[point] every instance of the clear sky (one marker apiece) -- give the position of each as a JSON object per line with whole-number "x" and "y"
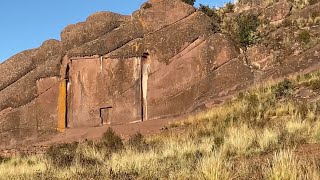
{"x": 25, "y": 24}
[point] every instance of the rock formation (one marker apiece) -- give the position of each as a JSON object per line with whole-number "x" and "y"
{"x": 164, "y": 60}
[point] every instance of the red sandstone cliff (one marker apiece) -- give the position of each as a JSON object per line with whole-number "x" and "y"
{"x": 162, "y": 61}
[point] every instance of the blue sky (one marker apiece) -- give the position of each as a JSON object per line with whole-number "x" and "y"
{"x": 25, "y": 24}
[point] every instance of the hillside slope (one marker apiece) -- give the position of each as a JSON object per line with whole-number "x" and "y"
{"x": 165, "y": 60}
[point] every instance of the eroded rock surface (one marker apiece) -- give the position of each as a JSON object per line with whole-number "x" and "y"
{"x": 164, "y": 60}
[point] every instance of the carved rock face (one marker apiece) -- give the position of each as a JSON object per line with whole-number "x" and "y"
{"x": 162, "y": 61}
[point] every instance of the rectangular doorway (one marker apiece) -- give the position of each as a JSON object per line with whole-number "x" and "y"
{"x": 105, "y": 115}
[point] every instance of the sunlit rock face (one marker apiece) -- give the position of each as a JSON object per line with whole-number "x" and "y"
{"x": 163, "y": 61}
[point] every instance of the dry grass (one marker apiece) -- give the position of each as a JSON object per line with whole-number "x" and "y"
{"x": 268, "y": 140}
{"x": 214, "y": 167}
{"x": 299, "y": 4}
{"x": 285, "y": 165}
{"x": 22, "y": 166}
{"x": 316, "y": 132}
{"x": 239, "y": 140}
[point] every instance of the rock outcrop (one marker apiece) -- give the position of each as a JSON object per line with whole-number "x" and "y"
{"x": 164, "y": 60}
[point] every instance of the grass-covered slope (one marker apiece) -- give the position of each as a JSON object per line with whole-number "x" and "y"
{"x": 258, "y": 135}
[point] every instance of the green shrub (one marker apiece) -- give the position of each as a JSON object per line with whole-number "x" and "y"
{"x": 218, "y": 142}
{"x": 304, "y": 77}
{"x": 62, "y": 155}
{"x": 3, "y": 159}
{"x": 146, "y": 5}
{"x": 229, "y": 7}
{"x": 283, "y": 89}
{"x": 240, "y": 95}
{"x": 89, "y": 155}
{"x": 246, "y": 28}
{"x": 243, "y": 28}
{"x": 156, "y": 145}
{"x": 88, "y": 161}
{"x": 304, "y": 36}
{"x": 307, "y": 76}
{"x": 111, "y": 141}
{"x": 212, "y": 13}
{"x": 193, "y": 158}
{"x": 299, "y": 4}
{"x": 287, "y": 23}
{"x": 303, "y": 109}
{"x": 191, "y": 2}
{"x": 312, "y": 2}
{"x": 138, "y": 142}
{"x": 315, "y": 85}
{"x": 251, "y": 106}
{"x": 252, "y": 99}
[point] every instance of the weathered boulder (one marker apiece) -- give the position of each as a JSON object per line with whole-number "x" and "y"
{"x": 16, "y": 67}
{"x": 144, "y": 23}
{"x": 19, "y": 65}
{"x": 219, "y": 50}
{"x": 19, "y": 84}
{"x": 312, "y": 11}
{"x": 50, "y": 48}
{"x": 110, "y": 41}
{"x": 252, "y": 2}
{"x": 259, "y": 56}
{"x": 277, "y": 11}
{"x": 24, "y": 90}
{"x": 163, "y": 13}
{"x": 296, "y": 64}
{"x": 168, "y": 41}
{"x": 195, "y": 76}
{"x": 95, "y": 26}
